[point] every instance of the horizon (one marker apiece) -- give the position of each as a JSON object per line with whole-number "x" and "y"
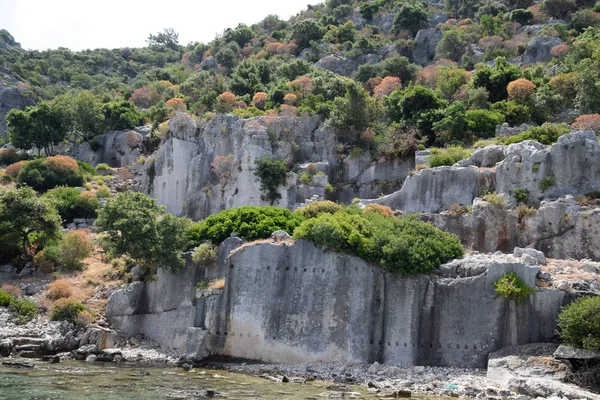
{"x": 28, "y": 21}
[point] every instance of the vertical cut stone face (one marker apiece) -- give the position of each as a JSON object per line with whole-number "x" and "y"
{"x": 296, "y": 303}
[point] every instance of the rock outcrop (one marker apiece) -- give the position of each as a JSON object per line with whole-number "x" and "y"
{"x": 117, "y": 149}
{"x": 296, "y": 303}
{"x": 426, "y": 43}
{"x": 539, "y": 49}
{"x": 10, "y": 97}
{"x": 345, "y": 66}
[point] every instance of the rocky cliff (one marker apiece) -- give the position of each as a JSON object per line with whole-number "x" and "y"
{"x": 293, "y": 302}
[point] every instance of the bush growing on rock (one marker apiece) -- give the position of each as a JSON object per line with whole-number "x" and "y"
{"x": 585, "y": 122}
{"x": 205, "y": 254}
{"x": 24, "y": 310}
{"x": 249, "y": 223}
{"x": 448, "y": 156}
{"x": 401, "y": 245}
{"x": 5, "y": 298}
{"x": 71, "y": 203}
{"x": 547, "y": 134}
{"x": 317, "y": 208}
{"x": 579, "y": 323}
{"x": 513, "y": 287}
{"x": 12, "y": 290}
{"x": 272, "y": 173}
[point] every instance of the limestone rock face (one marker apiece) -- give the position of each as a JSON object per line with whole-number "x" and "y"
{"x": 426, "y": 42}
{"x": 486, "y": 157}
{"x": 569, "y": 167}
{"x": 436, "y": 189}
{"x": 117, "y": 149}
{"x": 295, "y": 303}
{"x": 344, "y": 66}
{"x": 538, "y": 49}
{"x": 10, "y": 97}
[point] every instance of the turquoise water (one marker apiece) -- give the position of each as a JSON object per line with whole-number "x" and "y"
{"x": 80, "y": 380}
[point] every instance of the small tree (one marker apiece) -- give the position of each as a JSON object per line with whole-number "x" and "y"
{"x": 412, "y": 16}
{"x": 387, "y": 86}
{"x": 354, "y": 113}
{"x": 168, "y": 37}
{"x": 272, "y": 173}
{"x": 520, "y": 90}
{"x": 25, "y": 220}
{"x": 137, "y": 227}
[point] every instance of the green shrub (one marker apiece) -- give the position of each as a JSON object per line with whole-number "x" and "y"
{"x": 71, "y": 203}
{"x": 102, "y": 167}
{"x": 24, "y": 310}
{"x": 317, "y": 208}
{"x": 513, "y": 287}
{"x": 272, "y": 173}
{"x": 448, "y": 156}
{"x": 250, "y": 223}
{"x": 103, "y": 192}
{"x": 495, "y": 199}
{"x": 5, "y": 298}
{"x": 547, "y": 183}
{"x": 205, "y": 254}
{"x": 579, "y": 323}
{"x": 546, "y": 134}
{"x": 402, "y": 245}
{"x": 86, "y": 168}
{"x": 66, "y": 310}
{"x": 46, "y": 173}
{"x": 482, "y": 123}
{"x": 521, "y": 195}
{"x": 305, "y": 178}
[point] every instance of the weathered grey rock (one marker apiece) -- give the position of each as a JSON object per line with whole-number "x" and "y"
{"x": 280, "y": 236}
{"x": 385, "y": 22}
{"x": 109, "y": 355}
{"x": 572, "y": 353}
{"x": 505, "y": 129}
{"x": 426, "y": 43}
{"x": 539, "y": 257}
{"x": 84, "y": 351}
{"x": 209, "y": 63}
{"x": 571, "y": 166}
{"x": 538, "y": 49}
{"x": 117, "y": 149}
{"x": 436, "y": 189}
{"x": 288, "y": 316}
{"x": 10, "y": 97}
{"x": 485, "y": 157}
{"x": 438, "y": 18}
{"x": 345, "y": 66}
{"x": 91, "y": 358}
{"x": 6, "y": 347}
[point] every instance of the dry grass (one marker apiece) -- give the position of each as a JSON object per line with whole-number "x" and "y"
{"x": 217, "y": 284}
{"x": 11, "y": 289}
{"x": 59, "y": 289}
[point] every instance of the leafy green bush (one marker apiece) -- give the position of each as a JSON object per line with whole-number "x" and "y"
{"x": 402, "y": 245}
{"x": 547, "y": 183}
{"x": 482, "y": 123}
{"x": 24, "y": 310}
{"x": 272, "y": 173}
{"x": 546, "y": 134}
{"x": 250, "y": 223}
{"x": 205, "y": 254}
{"x": 5, "y": 298}
{"x": 71, "y": 203}
{"x": 317, "y": 208}
{"x": 521, "y": 195}
{"x": 46, "y": 173}
{"x": 102, "y": 167}
{"x": 513, "y": 287}
{"x": 66, "y": 310}
{"x": 579, "y": 323}
{"x": 448, "y": 156}
{"x": 495, "y": 199}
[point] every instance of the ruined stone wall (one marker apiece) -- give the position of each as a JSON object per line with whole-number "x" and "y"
{"x": 297, "y": 303}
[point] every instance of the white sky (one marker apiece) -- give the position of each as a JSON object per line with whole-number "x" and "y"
{"x": 89, "y": 24}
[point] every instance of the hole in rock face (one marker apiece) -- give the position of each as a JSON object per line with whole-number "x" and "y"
{"x": 231, "y": 266}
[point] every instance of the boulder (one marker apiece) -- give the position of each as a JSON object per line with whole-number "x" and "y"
{"x": 426, "y": 43}
{"x": 345, "y": 66}
{"x": 438, "y": 18}
{"x": 571, "y": 353}
{"x": 6, "y": 347}
{"x": 539, "y": 49}
{"x": 280, "y": 236}
{"x": 209, "y": 63}
{"x": 486, "y": 157}
{"x": 84, "y": 351}
{"x": 537, "y": 255}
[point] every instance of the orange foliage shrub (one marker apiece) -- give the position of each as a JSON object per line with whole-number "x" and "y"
{"x": 489, "y": 43}
{"x": 144, "y": 97}
{"x": 11, "y": 289}
{"x": 62, "y": 164}
{"x": 379, "y": 209}
{"x": 428, "y": 76}
{"x": 465, "y": 22}
{"x": 520, "y": 89}
{"x": 176, "y": 104}
{"x": 301, "y": 85}
{"x": 59, "y": 289}
{"x": 225, "y": 102}
{"x": 290, "y": 99}
{"x": 14, "y": 169}
{"x": 241, "y": 104}
{"x": 287, "y": 110}
{"x": 560, "y": 50}
{"x": 387, "y": 86}
{"x": 587, "y": 122}
{"x": 452, "y": 21}
{"x": 259, "y": 100}
{"x": 372, "y": 83}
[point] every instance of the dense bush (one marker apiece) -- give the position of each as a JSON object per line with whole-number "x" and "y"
{"x": 448, "y": 156}
{"x": 5, "y": 298}
{"x": 66, "y": 310}
{"x": 45, "y": 173}
{"x": 24, "y": 310}
{"x": 579, "y": 323}
{"x": 59, "y": 289}
{"x": 249, "y": 223}
{"x": 74, "y": 247}
{"x": 272, "y": 173}
{"x": 513, "y": 287}
{"x": 317, "y": 208}
{"x": 72, "y": 203}
{"x": 137, "y": 227}
{"x": 205, "y": 254}
{"x": 547, "y": 134}
{"x": 402, "y": 245}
